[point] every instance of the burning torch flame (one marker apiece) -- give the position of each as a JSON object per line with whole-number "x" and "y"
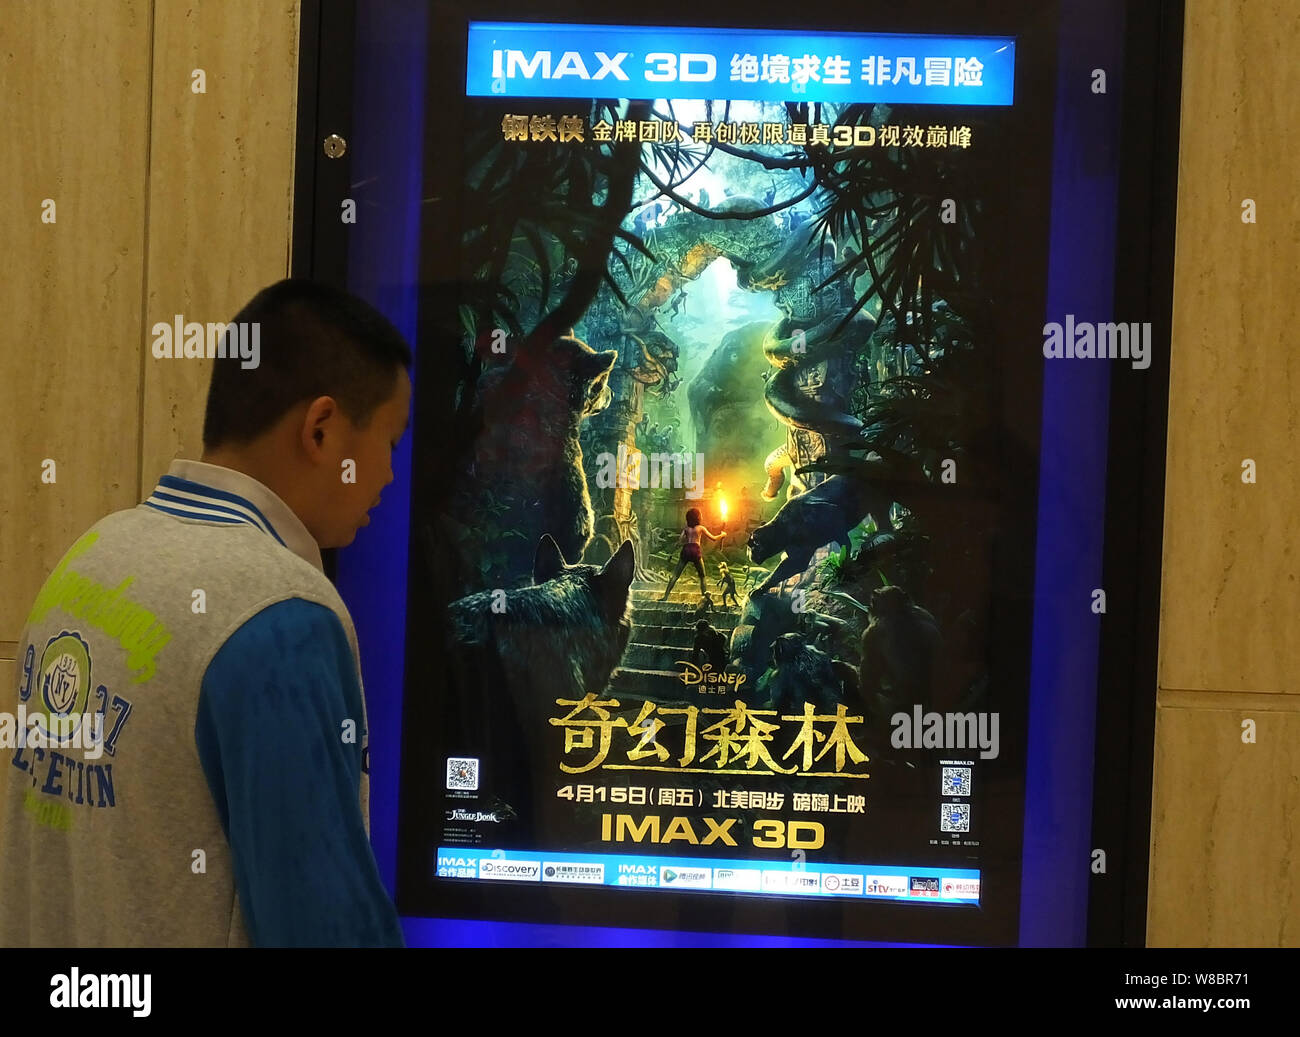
{"x": 722, "y": 506}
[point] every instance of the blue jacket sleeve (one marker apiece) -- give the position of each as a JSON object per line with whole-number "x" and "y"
{"x": 272, "y": 739}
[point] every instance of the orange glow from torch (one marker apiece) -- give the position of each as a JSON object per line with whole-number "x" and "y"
{"x": 722, "y": 508}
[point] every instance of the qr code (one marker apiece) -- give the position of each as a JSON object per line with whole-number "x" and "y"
{"x": 954, "y": 817}
{"x": 956, "y": 781}
{"x": 462, "y": 774}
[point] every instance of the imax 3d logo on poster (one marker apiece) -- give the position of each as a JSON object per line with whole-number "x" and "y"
{"x": 511, "y": 64}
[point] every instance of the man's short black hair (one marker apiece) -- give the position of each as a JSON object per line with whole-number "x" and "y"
{"x": 315, "y": 340}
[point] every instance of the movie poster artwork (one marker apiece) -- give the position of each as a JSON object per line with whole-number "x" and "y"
{"x": 715, "y": 475}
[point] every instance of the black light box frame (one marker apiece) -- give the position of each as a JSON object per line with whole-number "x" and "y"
{"x": 1126, "y": 695}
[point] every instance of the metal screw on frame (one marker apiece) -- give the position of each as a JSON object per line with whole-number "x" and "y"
{"x": 335, "y": 146}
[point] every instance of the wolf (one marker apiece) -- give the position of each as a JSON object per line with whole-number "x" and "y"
{"x": 514, "y": 655}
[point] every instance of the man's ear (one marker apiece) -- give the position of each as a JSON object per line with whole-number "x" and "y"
{"x": 317, "y": 420}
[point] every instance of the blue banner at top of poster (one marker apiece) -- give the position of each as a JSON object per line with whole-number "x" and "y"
{"x": 512, "y": 59}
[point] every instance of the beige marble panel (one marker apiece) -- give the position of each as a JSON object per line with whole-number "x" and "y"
{"x": 76, "y": 111}
{"x": 8, "y": 682}
{"x": 1225, "y": 823}
{"x": 220, "y": 188}
{"x": 1231, "y": 593}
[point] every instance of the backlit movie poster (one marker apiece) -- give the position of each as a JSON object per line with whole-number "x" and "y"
{"x": 716, "y": 474}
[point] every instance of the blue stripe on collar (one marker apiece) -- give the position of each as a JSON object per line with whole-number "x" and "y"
{"x": 190, "y": 514}
{"x": 238, "y": 508}
{"x": 204, "y": 507}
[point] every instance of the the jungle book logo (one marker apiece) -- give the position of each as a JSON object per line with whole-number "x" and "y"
{"x": 709, "y": 678}
{"x": 474, "y": 816}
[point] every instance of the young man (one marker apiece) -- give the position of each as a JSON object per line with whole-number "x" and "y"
{"x": 213, "y": 790}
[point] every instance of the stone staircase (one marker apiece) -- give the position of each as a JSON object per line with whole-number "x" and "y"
{"x": 663, "y": 633}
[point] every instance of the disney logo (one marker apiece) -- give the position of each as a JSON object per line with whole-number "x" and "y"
{"x": 692, "y": 674}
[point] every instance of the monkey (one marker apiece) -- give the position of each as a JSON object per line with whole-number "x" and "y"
{"x": 849, "y": 679}
{"x": 802, "y": 673}
{"x": 704, "y": 607}
{"x": 728, "y": 584}
{"x": 966, "y": 664}
{"x": 711, "y": 644}
{"x": 823, "y": 631}
{"x": 901, "y": 650}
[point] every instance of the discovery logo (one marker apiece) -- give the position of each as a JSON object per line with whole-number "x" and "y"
{"x": 511, "y": 871}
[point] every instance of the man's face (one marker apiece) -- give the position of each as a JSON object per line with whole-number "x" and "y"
{"x": 371, "y": 448}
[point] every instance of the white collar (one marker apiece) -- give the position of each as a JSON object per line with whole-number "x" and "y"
{"x": 197, "y": 490}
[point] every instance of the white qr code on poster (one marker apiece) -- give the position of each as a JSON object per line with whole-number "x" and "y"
{"x": 462, "y": 774}
{"x": 954, "y": 817}
{"x": 956, "y": 781}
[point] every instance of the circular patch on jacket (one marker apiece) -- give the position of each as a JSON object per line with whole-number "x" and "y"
{"x": 65, "y": 681}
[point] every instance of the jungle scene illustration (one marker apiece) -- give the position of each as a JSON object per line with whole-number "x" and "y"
{"x": 720, "y": 416}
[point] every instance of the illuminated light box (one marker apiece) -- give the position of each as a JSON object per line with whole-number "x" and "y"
{"x": 798, "y": 282}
